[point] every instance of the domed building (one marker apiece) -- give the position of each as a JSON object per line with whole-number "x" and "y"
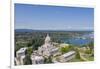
{"x": 46, "y": 50}
{"x": 47, "y": 39}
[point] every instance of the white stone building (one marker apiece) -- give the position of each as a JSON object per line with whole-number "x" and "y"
{"x": 37, "y": 59}
{"x": 67, "y": 56}
{"x": 20, "y": 55}
{"x": 48, "y": 49}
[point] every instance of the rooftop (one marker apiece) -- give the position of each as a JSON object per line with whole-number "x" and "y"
{"x": 22, "y": 50}
{"x": 37, "y": 57}
{"x": 68, "y": 54}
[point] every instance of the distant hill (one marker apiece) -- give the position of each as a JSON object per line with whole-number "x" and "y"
{"x": 23, "y": 30}
{"x": 30, "y": 30}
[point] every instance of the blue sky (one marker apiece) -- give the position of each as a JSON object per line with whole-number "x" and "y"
{"x": 43, "y": 17}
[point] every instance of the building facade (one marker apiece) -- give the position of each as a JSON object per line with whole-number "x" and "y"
{"x": 67, "y": 56}
{"x": 45, "y": 51}
{"x": 20, "y": 55}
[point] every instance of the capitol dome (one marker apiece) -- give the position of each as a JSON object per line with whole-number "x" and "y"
{"x": 47, "y": 39}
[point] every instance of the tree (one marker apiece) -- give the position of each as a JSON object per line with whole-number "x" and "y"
{"x": 37, "y": 42}
{"x": 29, "y": 50}
{"x": 71, "y": 47}
{"x": 27, "y": 60}
{"x": 91, "y": 45}
{"x": 29, "y": 44}
{"x": 48, "y": 60}
{"x": 64, "y": 49}
{"x": 77, "y": 54}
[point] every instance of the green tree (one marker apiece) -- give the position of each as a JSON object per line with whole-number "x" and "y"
{"x": 91, "y": 45}
{"x": 27, "y": 60}
{"x": 64, "y": 49}
{"x": 37, "y": 42}
{"x": 77, "y": 54}
{"x": 48, "y": 60}
{"x": 29, "y": 50}
{"x": 29, "y": 44}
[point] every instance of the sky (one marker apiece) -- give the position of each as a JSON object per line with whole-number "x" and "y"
{"x": 46, "y": 17}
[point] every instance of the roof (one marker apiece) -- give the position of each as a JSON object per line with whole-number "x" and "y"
{"x": 47, "y": 39}
{"x": 37, "y": 57}
{"x": 68, "y": 54}
{"x": 55, "y": 49}
{"x": 21, "y": 50}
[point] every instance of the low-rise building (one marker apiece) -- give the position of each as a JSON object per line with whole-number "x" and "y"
{"x": 67, "y": 56}
{"x": 37, "y": 59}
{"x": 48, "y": 49}
{"x": 20, "y": 55}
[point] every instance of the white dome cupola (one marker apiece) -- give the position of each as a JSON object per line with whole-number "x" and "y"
{"x": 47, "y": 39}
